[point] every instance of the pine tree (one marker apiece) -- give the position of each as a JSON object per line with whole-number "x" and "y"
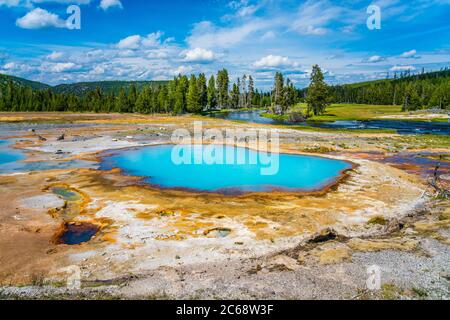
{"x": 132, "y": 97}
{"x": 235, "y": 95}
{"x": 251, "y": 93}
{"x": 212, "y": 99}
{"x": 278, "y": 93}
{"x": 243, "y": 88}
{"x": 317, "y": 98}
{"x": 180, "y": 95}
{"x": 122, "y": 103}
{"x": 223, "y": 83}
{"x": 193, "y": 96}
{"x": 202, "y": 90}
{"x": 411, "y": 99}
{"x": 141, "y": 104}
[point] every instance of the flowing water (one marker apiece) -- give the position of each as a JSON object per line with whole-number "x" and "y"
{"x": 402, "y": 127}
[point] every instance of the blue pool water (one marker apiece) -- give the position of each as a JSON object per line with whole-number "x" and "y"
{"x": 11, "y": 161}
{"x": 295, "y": 172}
{"x": 8, "y": 155}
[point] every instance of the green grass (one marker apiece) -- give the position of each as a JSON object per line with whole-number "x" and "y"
{"x": 361, "y": 112}
{"x": 275, "y": 117}
{"x": 231, "y": 110}
{"x": 340, "y": 130}
{"x": 353, "y": 112}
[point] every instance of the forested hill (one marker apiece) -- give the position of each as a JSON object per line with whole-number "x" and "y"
{"x": 4, "y": 79}
{"x": 412, "y": 91}
{"x": 80, "y": 88}
{"x": 83, "y": 88}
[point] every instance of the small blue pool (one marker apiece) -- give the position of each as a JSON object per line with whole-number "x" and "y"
{"x": 267, "y": 172}
{"x": 8, "y": 155}
{"x": 11, "y": 161}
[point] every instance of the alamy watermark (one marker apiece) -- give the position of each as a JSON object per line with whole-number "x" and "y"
{"x": 374, "y": 19}
{"x": 227, "y": 147}
{"x": 73, "y": 22}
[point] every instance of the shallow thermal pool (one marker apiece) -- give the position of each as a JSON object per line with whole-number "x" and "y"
{"x": 8, "y": 155}
{"x": 166, "y": 167}
{"x": 11, "y": 161}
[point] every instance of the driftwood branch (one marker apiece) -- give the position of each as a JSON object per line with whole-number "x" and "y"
{"x": 434, "y": 182}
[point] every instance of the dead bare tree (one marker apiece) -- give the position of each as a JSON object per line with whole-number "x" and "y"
{"x": 434, "y": 182}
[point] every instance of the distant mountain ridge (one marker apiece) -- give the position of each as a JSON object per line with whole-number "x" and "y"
{"x": 79, "y": 88}
{"x": 22, "y": 82}
{"x": 82, "y": 88}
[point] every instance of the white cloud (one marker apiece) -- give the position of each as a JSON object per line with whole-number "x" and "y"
{"x": 30, "y": 3}
{"x": 131, "y": 42}
{"x": 181, "y": 70}
{"x": 10, "y": 3}
{"x": 153, "y": 39}
{"x": 199, "y": 55}
{"x": 136, "y": 41}
{"x": 61, "y": 67}
{"x": 268, "y": 35}
{"x": 10, "y": 66}
{"x": 315, "y": 31}
{"x": 207, "y": 35}
{"x": 55, "y": 55}
{"x": 402, "y": 68}
{"x": 247, "y": 11}
{"x": 107, "y": 4}
{"x": 375, "y": 59}
{"x": 412, "y": 54}
{"x": 312, "y": 17}
{"x": 40, "y": 18}
{"x": 157, "y": 54}
{"x": 15, "y": 68}
{"x": 272, "y": 61}
{"x": 97, "y": 70}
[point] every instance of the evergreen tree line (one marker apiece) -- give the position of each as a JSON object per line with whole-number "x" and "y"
{"x": 192, "y": 94}
{"x": 413, "y": 92}
{"x": 284, "y": 94}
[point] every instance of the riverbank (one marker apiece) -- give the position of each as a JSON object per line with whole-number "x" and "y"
{"x": 155, "y": 243}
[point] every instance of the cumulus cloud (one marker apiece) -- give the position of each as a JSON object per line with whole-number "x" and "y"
{"x": 107, "y": 4}
{"x": 199, "y": 55}
{"x": 136, "y": 41}
{"x": 181, "y": 70}
{"x": 61, "y": 67}
{"x": 402, "y": 68}
{"x": 55, "y": 55}
{"x": 15, "y": 67}
{"x": 131, "y": 42}
{"x": 272, "y": 61}
{"x": 153, "y": 39}
{"x": 375, "y": 59}
{"x": 98, "y": 70}
{"x": 40, "y": 18}
{"x": 412, "y": 54}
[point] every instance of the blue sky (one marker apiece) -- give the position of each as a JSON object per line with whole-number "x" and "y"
{"x": 145, "y": 40}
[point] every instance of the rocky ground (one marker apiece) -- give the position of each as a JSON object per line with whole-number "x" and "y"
{"x": 171, "y": 244}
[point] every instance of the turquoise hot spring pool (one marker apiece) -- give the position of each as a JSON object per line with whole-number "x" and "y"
{"x": 287, "y": 172}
